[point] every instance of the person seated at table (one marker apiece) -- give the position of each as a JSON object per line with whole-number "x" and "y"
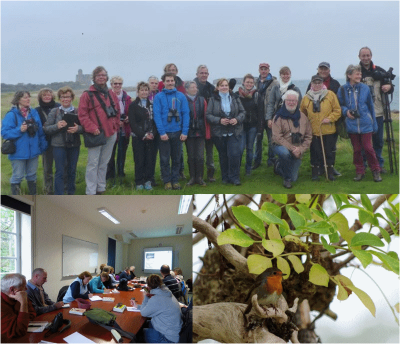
{"x": 102, "y": 267}
{"x": 113, "y": 281}
{"x": 164, "y": 310}
{"x": 178, "y": 273}
{"x": 109, "y": 283}
{"x": 170, "y": 281}
{"x": 36, "y": 294}
{"x": 125, "y": 274}
{"x": 96, "y": 284}
{"x": 16, "y": 309}
{"x": 132, "y": 272}
{"x": 79, "y": 288}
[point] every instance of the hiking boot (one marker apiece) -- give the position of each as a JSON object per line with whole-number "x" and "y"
{"x": 139, "y": 187}
{"x": 32, "y": 187}
{"x": 100, "y": 192}
{"x": 377, "y": 176}
{"x": 190, "y": 182}
{"x": 176, "y": 186}
{"x": 147, "y": 186}
{"x": 210, "y": 175}
{"x": 336, "y": 173}
{"x": 201, "y": 182}
{"x": 15, "y": 189}
{"x": 276, "y": 166}
{"x": 383, "y": 171}
{"x": 256, "y": 165}
{"x": 168, "y": 186}
{"x": 314, "y": 172}
{"x": 287, "y": 184}
{"x": 358, "y": 177}
{"x": 182, "y": 175}
{"x": 237, "y": 183}
{"x": 330, "y": 173}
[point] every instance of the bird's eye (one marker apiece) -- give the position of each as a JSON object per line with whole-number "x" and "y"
{"x": 274, "y": 273}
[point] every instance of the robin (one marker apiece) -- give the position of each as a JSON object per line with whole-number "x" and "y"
{"x": 268, "y": 288}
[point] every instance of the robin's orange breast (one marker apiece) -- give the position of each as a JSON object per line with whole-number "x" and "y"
{"x": 274, "y": 284}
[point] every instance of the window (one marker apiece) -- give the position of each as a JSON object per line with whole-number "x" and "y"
{"x": 15, "y": 242}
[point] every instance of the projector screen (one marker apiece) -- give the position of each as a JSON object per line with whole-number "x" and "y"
{"x": 154, "y": 257}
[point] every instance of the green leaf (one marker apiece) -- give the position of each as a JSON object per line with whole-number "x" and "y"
{"x": 338, "y": 200}
{"x": 366, "y": 202}
{"x": 342, "y": 226}
{"x": 274, "y": 246}
{"x": 327, "y": 246}
{"x": 245, "y": 216}
{"x": 344, "y": 198}
{"x": 272, "y": 208}
{"x": 258, "y": 264}
{"x": 366, "y": 216}
{"x": 267, "y": 217}
{"x": 394, "y": 228}
{"x": 234, "y": 236}
{"x": 389, "y": 261}
{"x": 393, "y": 255}
{"x": 321, "y": 227}
{"x": 366, "y": 239}
{"x": 318, "y": 275}
{"x": 334, "y": 238}
{"x": 390, "y": 215}
{"x": 303, "y": 198}
{"x": 397, "y": 307}
{"x": 385, "y": 234}
{"x": 395, "y": 208}
{"x": 296, "y": 262}
{"x": 363, "y": 256}
{"x": 392, "y": 198}
{"x": 273, "y": 232}
{"x": 298, "y": 220}
{"x": 343, "y": 294}
{"x": 296, "y": 240}
{"x": 284, "y": 266}
{"x": 304, "y": 210}
{"x": 364, "y": 297}
{"x": 283, "y": 231}
{"x": 318, "y": 215}
{"x": 281, "y": 198}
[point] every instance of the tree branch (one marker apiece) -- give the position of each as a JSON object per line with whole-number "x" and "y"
{"x": 233, "y": 256}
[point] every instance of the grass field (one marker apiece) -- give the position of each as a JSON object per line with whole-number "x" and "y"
{"x": 262, "y": 179}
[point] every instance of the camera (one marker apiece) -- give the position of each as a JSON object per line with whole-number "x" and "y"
{"x": 110, "y": 112}
{"x": 32, "y": 127}
{"x": 173, "y": 113}
{"x": 194, "y": 124}
{"x": 297, "y": 138}
{"x": 354, "y": 113}
{"x": 316, "y": 106}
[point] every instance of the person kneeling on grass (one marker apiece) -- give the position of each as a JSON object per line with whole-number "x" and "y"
{"x": 164, "y": 310}
{"x": 291, "y": 137}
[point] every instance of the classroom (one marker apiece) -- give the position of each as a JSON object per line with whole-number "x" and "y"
{"x": 69, "y": 235}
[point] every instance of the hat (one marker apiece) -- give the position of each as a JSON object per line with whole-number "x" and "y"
{"x": 324, "y": 64}
{"x": 263, "y": 64}
{"x": 316, "y": 77}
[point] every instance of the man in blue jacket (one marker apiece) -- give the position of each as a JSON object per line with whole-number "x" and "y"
{"x": 171, "y": 115}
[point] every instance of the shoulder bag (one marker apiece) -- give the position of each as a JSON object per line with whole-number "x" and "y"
{"x": 8, "y": 146}
{"x": 92, "y": 140}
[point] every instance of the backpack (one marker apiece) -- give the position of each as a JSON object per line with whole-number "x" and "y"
{"x": 186, "y": 333}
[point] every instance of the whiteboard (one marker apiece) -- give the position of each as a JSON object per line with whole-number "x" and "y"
{"x": 78, "y": 256}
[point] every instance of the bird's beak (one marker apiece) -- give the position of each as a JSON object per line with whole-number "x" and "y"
{"x": 283, "y": 274}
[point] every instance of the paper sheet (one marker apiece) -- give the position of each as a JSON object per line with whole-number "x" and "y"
{"x": 66, "y": 305}
{"x": 132, "y": 309}
{"x": 77, "y": 338}
{"x": 95, "y": 298}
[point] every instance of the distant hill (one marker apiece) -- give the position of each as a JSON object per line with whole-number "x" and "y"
{"x": 36, "y": 87}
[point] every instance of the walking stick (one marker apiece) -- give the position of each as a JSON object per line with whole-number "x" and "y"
{"x": 323, "y": 152}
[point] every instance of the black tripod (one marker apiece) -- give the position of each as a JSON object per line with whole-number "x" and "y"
{"x": 389, "y": 131}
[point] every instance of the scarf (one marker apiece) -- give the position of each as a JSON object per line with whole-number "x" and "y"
{"x": 225, "y": 102}
{"x": 47, "y": 106}
{"x": 317, "y": 95}
{"x": 143, "y": 102}
{"x": 68, "y": 109}
{"x": 24, "y": 111}
{"x": 103, "y": 90}
{"x": 285, "y": 114}
{"x": 191, "y": 97}
{"x": 246, "y": 94}
{"x": 121, "y": 102}
{"x": 284, "y": 86}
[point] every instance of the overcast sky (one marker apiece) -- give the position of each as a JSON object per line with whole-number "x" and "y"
{"x": 44, "y": 42}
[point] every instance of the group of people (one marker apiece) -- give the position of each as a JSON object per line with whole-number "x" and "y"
{"x": 22, "y": 301}
{"x": 169, "y": 112}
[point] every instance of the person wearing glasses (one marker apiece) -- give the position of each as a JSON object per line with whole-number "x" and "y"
{"x": 99, "y": 110}
{"x": 64, "y": 128}
{"x": 124, "y": 129}
{"x": 291, "y": 137}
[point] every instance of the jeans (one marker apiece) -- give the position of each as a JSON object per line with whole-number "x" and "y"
{"x": 171, "y": 150}
{"x": 65, "y": 159}
{"x": 229, "y": 151}
{"x": 96, "y": 168}
{"x": 143, "y": 155}
{"x": 377, "y": 140}
{"x": 153, "y": 336}
{"x": 289, "y": 165}
{"x": 259, "y": 146}
{"x": 363, "y": 142}
{"x": 249, "y": 136}
{"x": 24, "y": 168}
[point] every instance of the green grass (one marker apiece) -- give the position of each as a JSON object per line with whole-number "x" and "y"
{"x": 262, "y": 179}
